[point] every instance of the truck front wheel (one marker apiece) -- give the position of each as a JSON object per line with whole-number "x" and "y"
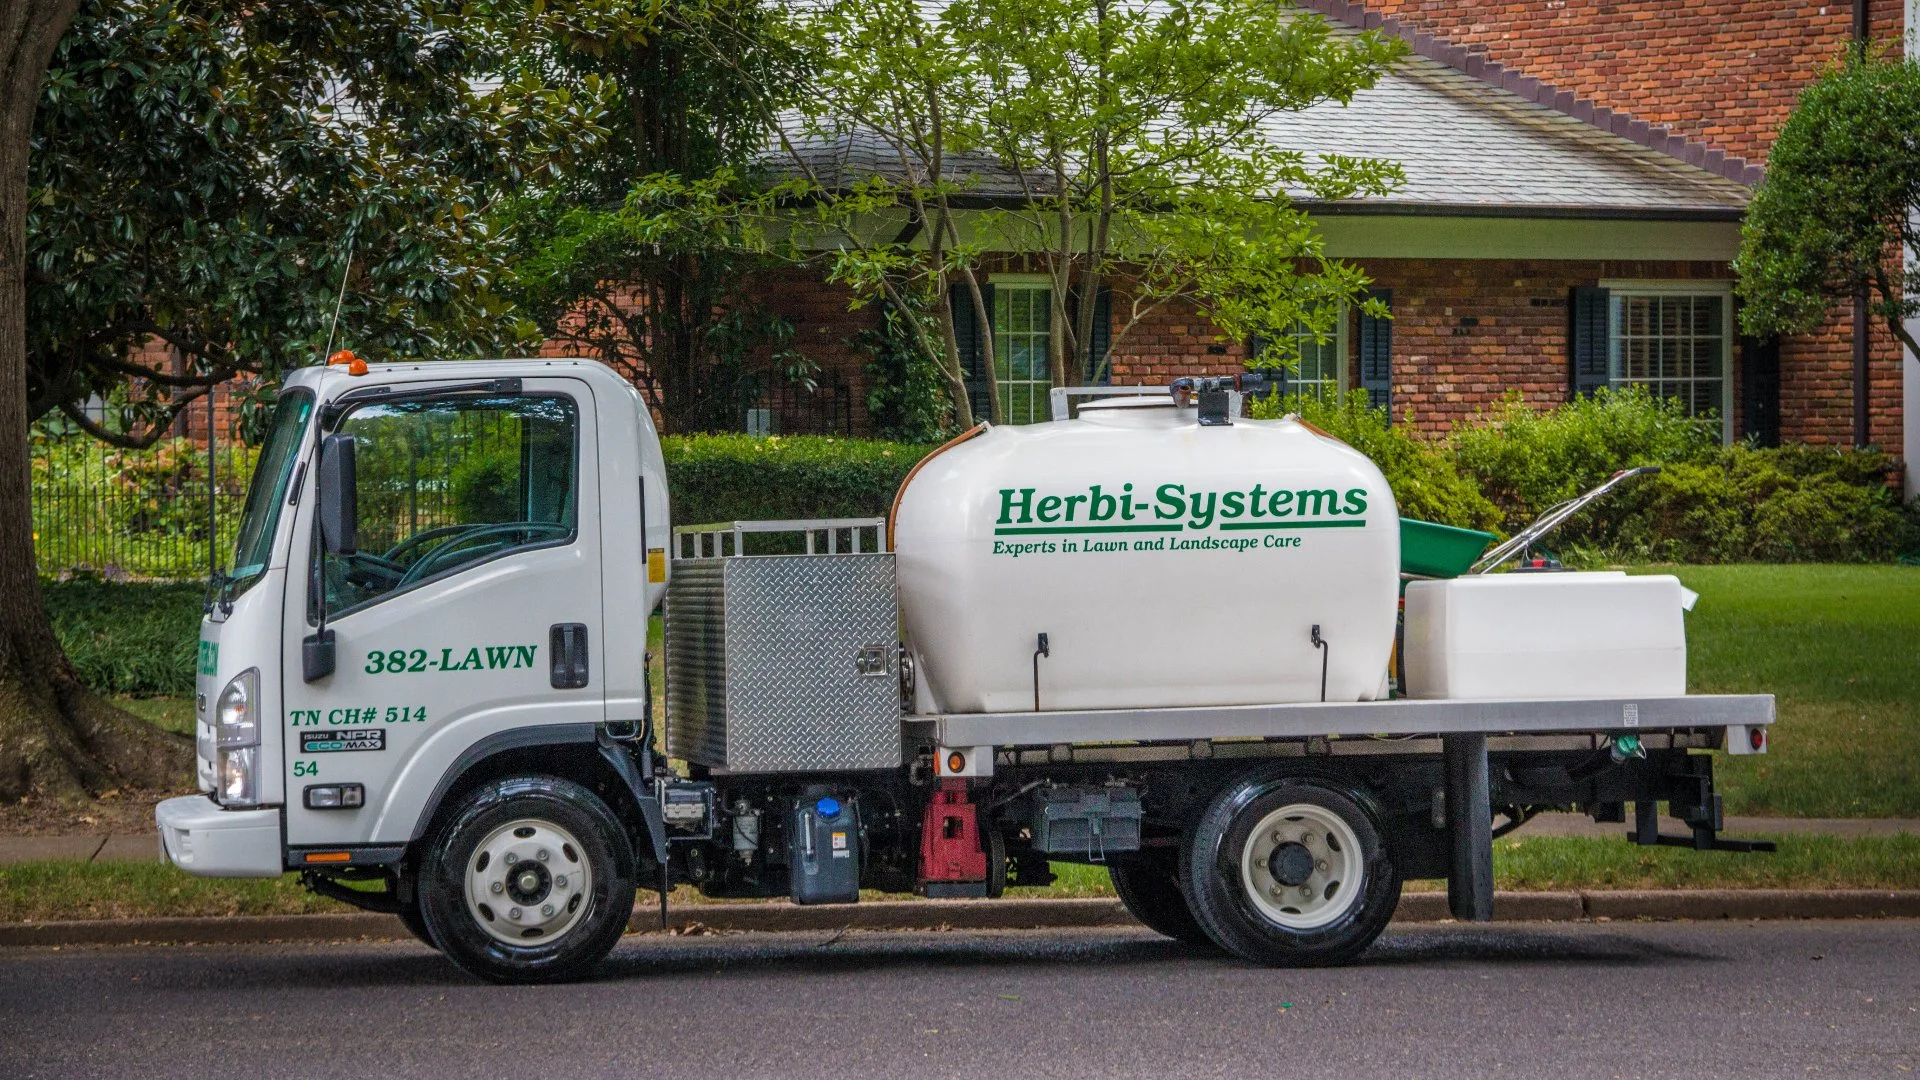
{"x": 530, "y": 880}
{"x": 1289, "y": 872}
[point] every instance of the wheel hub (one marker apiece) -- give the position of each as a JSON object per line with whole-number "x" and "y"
{"x": 528, "y": 882}
{"x": 1301, "y": 867}
{"x": 1291, "y": 864}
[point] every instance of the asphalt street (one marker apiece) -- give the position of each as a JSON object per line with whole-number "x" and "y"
{"x": 1547, "y": 1000}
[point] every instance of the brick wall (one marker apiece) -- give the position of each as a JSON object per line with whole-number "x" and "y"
{"x": 1725, "y": 70}
{"x": 1465, "y": 334}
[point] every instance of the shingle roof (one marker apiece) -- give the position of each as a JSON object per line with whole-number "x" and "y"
{"x": 1465, "y": 145}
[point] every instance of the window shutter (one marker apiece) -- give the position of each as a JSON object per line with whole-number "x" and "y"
{"x": 1376, "y": 355}
{"x": 1101, "y": 337}
{"x": 1760, "y": 389}
{"x": 1587, "y": 339}
{"x": 967, "y": 333}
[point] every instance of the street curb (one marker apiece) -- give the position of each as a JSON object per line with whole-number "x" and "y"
{"x": 949, "y": 915}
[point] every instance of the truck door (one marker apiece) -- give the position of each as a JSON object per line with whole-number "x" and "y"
{"x": 471, "y": 607}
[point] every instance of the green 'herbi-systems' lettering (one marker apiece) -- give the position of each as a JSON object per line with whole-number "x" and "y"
{"x": 1173, "y": 508}
{"x": 476, "y": 658}
{"x": 209, "y": 657}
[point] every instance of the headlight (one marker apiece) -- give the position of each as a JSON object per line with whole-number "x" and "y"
{"x": 236, "y": 777}
{"x": 236, "y": 732}
{"x": 236, "y": 722}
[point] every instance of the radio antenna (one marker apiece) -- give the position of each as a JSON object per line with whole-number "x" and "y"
{"x": 339, "y": 301}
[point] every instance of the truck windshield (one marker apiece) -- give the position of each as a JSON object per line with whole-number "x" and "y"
{"x": 267, "y": 493}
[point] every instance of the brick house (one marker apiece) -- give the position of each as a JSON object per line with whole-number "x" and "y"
{"x": 1576, "y": 175}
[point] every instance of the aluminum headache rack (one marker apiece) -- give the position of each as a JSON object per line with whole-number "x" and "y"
{"x": 710, "y": 541}
{"x": 1401, "y": 716}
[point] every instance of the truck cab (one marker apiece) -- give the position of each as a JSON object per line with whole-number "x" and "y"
{"x": 423, "y": 685}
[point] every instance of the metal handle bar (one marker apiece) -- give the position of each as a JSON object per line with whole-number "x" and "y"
{"x": 1553, "y": 519}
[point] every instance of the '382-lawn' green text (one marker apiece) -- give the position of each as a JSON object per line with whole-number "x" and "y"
{"x": 477, "y": 658}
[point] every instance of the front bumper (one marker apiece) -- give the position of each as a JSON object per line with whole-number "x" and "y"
{"x": 199, "y": 837}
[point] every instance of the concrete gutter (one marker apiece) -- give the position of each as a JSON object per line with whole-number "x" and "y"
{"x": 967, "y": 915}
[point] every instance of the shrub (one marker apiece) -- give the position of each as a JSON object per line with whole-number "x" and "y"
{"x": 1528, "y": 461}
{"x": 743, "y": 478}
{"x": 1426, "y": 482}
{"x": 128, "y": 638}
{"x": 1748, "y": 505}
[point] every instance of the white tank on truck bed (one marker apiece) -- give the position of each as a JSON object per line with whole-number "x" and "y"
{"x": 1167, "y": 564}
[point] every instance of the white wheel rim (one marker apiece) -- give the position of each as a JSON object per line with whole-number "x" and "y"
{"x": 1321, "y": 875}
{"x": 529, "y": 883}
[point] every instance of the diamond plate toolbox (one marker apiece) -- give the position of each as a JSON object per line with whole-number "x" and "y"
{"x": 784, "y": 663}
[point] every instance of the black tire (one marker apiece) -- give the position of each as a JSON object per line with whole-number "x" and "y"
{"x": 554, "y": 807}
{"x": 1149, "y": 885}
{"x": 416, "y": 924}
{"x": 996, "y": 863}
{"x": 1220, "y": 872}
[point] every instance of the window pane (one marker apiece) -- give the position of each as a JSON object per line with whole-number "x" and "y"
{"x": 445, "y": 484}
{"x": 1674, "y": 345}
{"x": 1021, "y": 341}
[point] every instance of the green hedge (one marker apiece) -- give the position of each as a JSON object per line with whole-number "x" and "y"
{"x": 134, "y": 638}
{"x": 743, "y": 478}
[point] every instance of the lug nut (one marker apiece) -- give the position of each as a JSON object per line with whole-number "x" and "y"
{"x": 498, "y": 888}
{"x": 1279, "y": 837}
{"x": 546, "y": 909}
{"x": 1322, "y": 865}
{"x": 1277, "y": 892}
{"x": 1306, "y": 890}
{"x": 541, "y": 855}
{"x": 560, "y": 881}
{"x": 513, "y": 913}
{"x": 512, "y": 858}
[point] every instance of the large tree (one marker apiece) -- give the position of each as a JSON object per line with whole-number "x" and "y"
{"x": 1096, "y": 140}
{"x": 223, "y": 177}
{"x": 1840, "y": 201}
{"x": 629, "y": 261}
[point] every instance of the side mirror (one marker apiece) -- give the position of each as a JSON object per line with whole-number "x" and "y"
{"x": 339, "y": 503}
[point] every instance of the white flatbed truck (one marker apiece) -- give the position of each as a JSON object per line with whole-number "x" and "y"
{"x": 424, "y": 687}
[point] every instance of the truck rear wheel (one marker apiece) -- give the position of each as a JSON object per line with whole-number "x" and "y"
{"x": 1148, "y": 883}
{"x": 530, "y": 880}
{"x": 1289, "y": 872}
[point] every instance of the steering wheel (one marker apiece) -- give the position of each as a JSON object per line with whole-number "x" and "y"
{"x": 440, "y": 557}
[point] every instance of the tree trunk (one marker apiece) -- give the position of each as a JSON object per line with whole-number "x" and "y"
{"x": 56, "y": 737}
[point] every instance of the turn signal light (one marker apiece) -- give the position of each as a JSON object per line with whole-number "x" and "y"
{"x": 329, "y": 856}
{"x": 354, "y": 365}
{"x": 956, "y": 762}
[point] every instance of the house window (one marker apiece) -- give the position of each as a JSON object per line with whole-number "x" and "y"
{"x": 1022, "y": 336}
{"x": 1674, "y": 339}
{"x": 1322, "y": 371}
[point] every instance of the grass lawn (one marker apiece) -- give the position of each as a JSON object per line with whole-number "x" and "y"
{"x": 52, "y": 891}
{"x": 1839, "y": 647}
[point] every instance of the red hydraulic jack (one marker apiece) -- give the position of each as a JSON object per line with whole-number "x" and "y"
{"x": 952, "y": 861}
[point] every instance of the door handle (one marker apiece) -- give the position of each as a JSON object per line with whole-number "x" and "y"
{"x": 568, "y": 645}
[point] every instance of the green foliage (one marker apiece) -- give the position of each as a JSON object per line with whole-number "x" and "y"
{"x": 1117, "y": 139}
{"x": 132, "y": 513}
{"x": 485, "y": 487}
{"x": 214, "y": 173}
{"x": 907, "y": 395}
{"x": 1842, "y": 194}
{"x": 637, "y": 259}
{"x": 1427, "y": 482}
{"x": 742, "y": 478}
{"x": 1528, "y": 461}
{"x": 1748, "y": 505}
{"x": 128, "y": 638}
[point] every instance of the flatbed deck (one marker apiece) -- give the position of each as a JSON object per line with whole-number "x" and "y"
{"x": 1401, "y": 716}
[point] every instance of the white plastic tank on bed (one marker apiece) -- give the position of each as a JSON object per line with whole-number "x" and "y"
{"x": 1547, "y": 635}
{"x": 1167, "y": 564}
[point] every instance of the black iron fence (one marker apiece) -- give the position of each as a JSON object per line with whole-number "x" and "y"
{"x": 135, "y": 514}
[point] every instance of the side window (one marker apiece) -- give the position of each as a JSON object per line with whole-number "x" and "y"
{"x": 445, "y": 484}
